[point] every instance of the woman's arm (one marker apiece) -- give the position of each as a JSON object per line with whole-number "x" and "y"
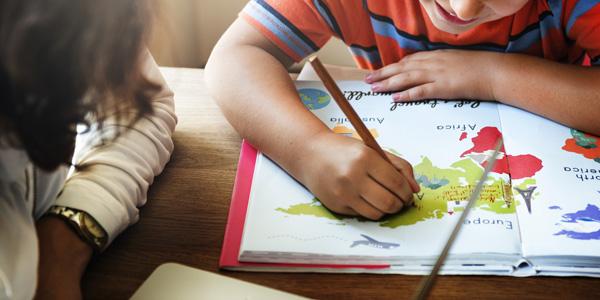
{"x": 115, "y": 177}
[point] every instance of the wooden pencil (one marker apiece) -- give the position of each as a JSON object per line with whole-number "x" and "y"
{"x": 350, "y": 113}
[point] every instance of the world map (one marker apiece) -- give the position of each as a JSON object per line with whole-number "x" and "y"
{"x": 314, "y": 98}
{"x": 445, "y": 190}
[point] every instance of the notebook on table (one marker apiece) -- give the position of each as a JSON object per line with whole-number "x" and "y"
{"x": 175, "y": 281}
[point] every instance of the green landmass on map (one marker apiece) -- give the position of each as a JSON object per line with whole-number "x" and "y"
{"x": 443, "y": 191}
{"x": 524, "y": 184}
{"x": 323, "y": 99}
{"x": 583, "y": 140}
{"x": 315, "y": 209}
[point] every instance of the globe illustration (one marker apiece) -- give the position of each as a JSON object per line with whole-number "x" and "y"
{"x": 314, "y": 98}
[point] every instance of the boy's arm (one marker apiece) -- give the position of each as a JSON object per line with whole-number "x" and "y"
{"x": 565, "y": 93}
{"x": 246, "y": 75}
{"x": 568, "y": 94}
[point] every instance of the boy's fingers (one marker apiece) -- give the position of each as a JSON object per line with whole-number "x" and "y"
{"x": 365, "y": 209}
{"x": 346, "y": 210}
{"x": 390, "y": 70}
{"x": 390, "y": 178}
{"x": 362, "y": 208}
{"x": 402, "y": 81}
{"x": 407, "y": 170}
{"x": 419, "y": 92}
{"x": 381, "y": 198}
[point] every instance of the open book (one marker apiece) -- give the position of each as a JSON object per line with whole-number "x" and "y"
{"x": 538, "y": 213}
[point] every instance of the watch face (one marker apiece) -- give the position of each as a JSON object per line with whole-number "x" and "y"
{"x": 91, "y": 226}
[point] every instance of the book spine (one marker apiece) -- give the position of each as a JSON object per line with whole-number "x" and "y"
{"x": 238, "y": 206}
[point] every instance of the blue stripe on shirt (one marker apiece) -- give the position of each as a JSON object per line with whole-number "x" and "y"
{"x": 369, "y": 54}
{"x": 525, "y": 40}
{"x": 275, "y": 24}
{"x": 581, "y": 8}
{"x": 535, "y": 33}
{"x": 328, "y": 17}
{"x": 420, "y": 43}
{"x": 556, "y": 8}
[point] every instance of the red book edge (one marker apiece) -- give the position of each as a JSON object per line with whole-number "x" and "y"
{"x": 237, "y": 216}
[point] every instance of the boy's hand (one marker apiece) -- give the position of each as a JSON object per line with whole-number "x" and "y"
{"x": 444, "y": 74}
{"x": 351, "y": 178}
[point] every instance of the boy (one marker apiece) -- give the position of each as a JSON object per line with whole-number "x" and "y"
{"x": 525, "y": 53}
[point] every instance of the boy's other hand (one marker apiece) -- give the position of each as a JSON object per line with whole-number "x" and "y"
{"x": 352, "y": 179}
{"x": 439, "y": 74}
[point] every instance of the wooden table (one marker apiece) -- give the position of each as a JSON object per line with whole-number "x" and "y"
{"x": 187, "y": 208}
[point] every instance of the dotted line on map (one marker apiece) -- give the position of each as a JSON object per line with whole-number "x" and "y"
{"x": 307, "y": 239}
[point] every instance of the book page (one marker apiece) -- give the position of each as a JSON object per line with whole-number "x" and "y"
{"x": 556, "y": 184}
{"x": 447, "y": 142}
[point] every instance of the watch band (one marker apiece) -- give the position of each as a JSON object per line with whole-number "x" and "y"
{"x": 84, "y": 224}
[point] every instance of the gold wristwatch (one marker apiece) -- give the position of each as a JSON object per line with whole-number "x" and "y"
{"x": 84, "y": 224}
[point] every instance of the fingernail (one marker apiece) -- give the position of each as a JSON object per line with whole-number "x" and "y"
{"x": 376, "y": 87}
{"x": 369, "y": 78}
{"x": 399, "y": 97}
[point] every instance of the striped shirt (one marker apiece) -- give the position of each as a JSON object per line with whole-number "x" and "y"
{"x": 381, "y": 32}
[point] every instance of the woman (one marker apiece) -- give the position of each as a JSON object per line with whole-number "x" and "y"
{"x": 65, "y": 63}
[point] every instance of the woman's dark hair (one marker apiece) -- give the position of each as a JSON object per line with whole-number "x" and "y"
{"x": 64, "y": 63}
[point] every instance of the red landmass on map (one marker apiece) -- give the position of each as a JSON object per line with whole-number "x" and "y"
{"x": 571, "y": 146}
{"x": 462, "y": 136}
{"x": 521, "y": 166}
{"x": 484, "y": 140}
